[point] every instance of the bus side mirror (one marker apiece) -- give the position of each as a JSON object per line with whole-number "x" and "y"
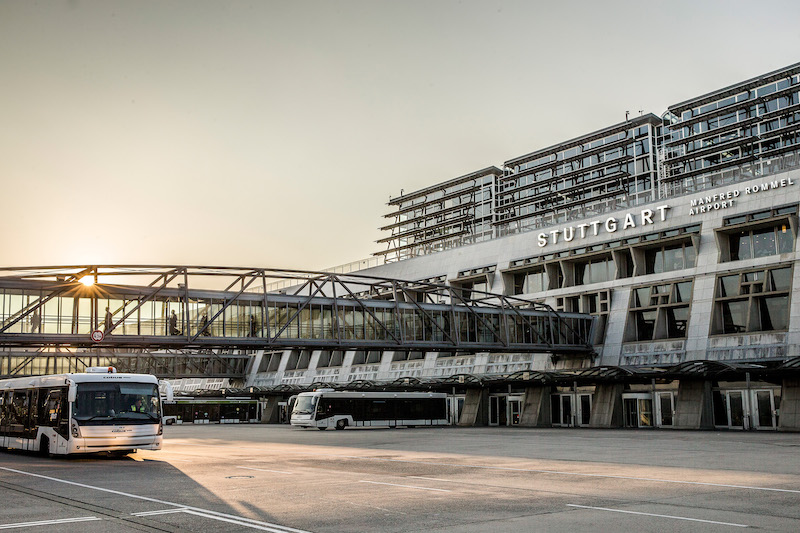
{"x": 72, "y": 393}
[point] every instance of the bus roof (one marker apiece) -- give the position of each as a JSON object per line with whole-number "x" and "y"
{"x": 57, "y": 380}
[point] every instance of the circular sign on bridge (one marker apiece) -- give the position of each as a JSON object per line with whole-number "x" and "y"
{"x": 97, "y": 335}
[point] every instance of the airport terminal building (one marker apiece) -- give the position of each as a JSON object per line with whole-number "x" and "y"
{"x": 677, "y": 233}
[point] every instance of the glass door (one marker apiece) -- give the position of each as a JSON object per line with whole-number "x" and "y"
{"x": 638, "y": 409}
{"x": 584, "y": 409}
{"x": 561, "y": 410}
{"x": 514, "y": 411}
{"x": 765, "y": 414}
{"x": 454, "y": 406}
{"x": 666, "y": 409}
{"x": 497, "y": 411}
{"x": 735, "y": 409}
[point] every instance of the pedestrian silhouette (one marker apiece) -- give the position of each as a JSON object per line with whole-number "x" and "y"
{"x": 173, "y": 324}
{"x": 203, "y": 323}
{"x": 252, "y": 326}
{"x": 109, "y": 321}
{"x": 36, "y": 322}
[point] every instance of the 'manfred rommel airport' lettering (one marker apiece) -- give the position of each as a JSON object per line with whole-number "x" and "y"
{"x": 610, "y": 225}
{"x": 727, "y": 199}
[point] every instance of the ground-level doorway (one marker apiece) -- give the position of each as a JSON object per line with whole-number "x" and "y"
{"x": 505, "y": 409}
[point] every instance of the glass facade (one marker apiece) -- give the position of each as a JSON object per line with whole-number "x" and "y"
{"x": 753, "y": 300}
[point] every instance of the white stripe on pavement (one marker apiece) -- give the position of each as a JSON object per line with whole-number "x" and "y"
{"x": 657, "y": 515}
{"x": 405, "y": 486}
{"x": 50, "y": 522}
{"x": 264, "y": 470}
{"x": 255, "y": 524}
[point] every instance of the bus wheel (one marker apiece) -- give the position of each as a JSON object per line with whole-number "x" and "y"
{"x": 44, "y": 446}
{"x": 341, "y": 424}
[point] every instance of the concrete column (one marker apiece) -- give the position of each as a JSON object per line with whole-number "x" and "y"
{"x": 693, "y": 407}
{"x": 269, "y": 415}
{"x": 607, "y": 406}
{"x": 790, "y": 406}
{"x": 476, "y": 408}
{"x": 536, "y": 407}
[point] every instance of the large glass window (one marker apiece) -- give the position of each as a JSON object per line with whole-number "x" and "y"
{"x": 659, "y": 312}
{"x": 749, "y": 244}
{"x": 750, "y": 301}
{"x": 595, "y": 271}
{"x": 670, "y": 257}
{"x": 530, "y": 282}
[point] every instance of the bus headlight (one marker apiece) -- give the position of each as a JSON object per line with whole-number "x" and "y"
{"x": 76, "y": 432}
{"x": 160, "y": 428}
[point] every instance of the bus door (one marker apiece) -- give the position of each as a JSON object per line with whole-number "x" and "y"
{"x": 765, "y": 408}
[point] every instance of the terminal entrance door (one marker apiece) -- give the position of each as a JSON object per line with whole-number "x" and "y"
{"x": 765, "y": 409}
{"x": 505, "y": 410}
{"x": 570, "y": 409}
{"x": 454, "y": 406}
{"x": 638, "y": 409}
{"x": 665, "y": 409}
{"x": 729, "y": 409}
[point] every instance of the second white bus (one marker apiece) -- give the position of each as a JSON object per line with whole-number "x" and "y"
{"x": 339, "y": 409}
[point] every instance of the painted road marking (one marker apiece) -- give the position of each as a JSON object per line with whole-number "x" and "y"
{"x": 405, "y": 486}
{"x": 254, "y": 524}
{"x": 264, "y": 470}
{"x": 50, "y": 522}
{"x": 555, "y": 472}
{"x": 657, "y": 515}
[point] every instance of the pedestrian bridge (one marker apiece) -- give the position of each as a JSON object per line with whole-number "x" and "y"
{"x": 218, "y": 315}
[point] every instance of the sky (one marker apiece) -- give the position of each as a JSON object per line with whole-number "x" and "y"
{"x": 272, "y": 133}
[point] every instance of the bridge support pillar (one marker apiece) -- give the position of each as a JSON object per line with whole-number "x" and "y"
{"x": 693, "y": 407}
{"x": 607, "y": 406}
{"x": 476, "y": 408}
{"x": 536, "y": 409}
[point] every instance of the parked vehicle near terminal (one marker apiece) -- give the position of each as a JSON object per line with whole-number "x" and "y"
{"x": 326, "y": 408}
{"x": 204, "y": 410}
{"x": 97, "y": 411}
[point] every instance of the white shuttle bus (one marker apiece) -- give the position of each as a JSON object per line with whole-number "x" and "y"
{"x": 326, "y": 408}
{"x": 98, "y": 411}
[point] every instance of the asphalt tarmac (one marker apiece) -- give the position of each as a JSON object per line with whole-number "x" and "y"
{"x": 238, "y": 478}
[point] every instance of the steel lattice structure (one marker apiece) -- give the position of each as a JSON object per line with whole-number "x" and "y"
{"x": 193, "y": 310}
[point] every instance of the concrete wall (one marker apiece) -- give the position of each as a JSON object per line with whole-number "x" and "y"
{"x": 536, "y": 407}
{"x": 693, "y": 407}
{"x": 476, "y": 408}
{"x": 607, "y": 406}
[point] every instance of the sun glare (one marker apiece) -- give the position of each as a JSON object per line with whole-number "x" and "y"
{"x": 87, "y": 280}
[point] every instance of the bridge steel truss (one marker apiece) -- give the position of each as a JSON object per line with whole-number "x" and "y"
{"x": 201, "y": 320}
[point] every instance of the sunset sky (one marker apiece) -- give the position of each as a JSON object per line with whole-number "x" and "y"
{"x": 272, "y": 133}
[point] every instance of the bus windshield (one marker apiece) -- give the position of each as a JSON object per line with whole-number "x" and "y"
{"x": 304, "y": 405}
{"x": 112, "y": 403}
